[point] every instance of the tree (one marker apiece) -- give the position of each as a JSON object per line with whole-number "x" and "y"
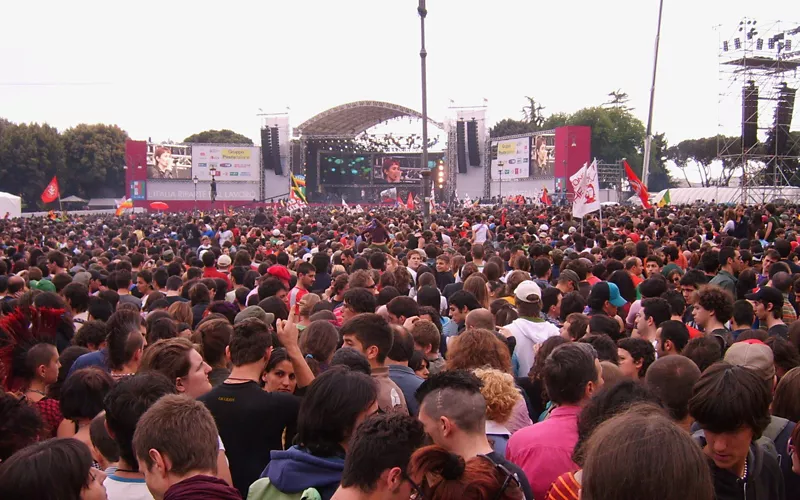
{"x": 616, "y": 134}
{"x": 223, "y": 136}
{"x": 95, "y": 160}
{"x": 30, "y": 155}
{"x": 619, "y": 99}
{"x": 510, "y": 126}
{"x": 659, "y": 179}
{"x": 532, "y": 113}
{"x": 555, "y": 120}
{"x": 701, "y": 152}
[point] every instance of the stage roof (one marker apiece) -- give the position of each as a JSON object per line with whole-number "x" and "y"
{"x": 354, "y": 118}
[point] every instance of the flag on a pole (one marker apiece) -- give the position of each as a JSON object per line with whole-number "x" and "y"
{"x": 400, "y": 203}
{"x": 344, "y": 205}
{"x": 298, "y": 190}
{"x": 664, "y": 201}
{"x": 585, "y": 186}
{"x": 546, "y": 198}
{"x": 410, "y": 202}
{"x": 638, "y": 187}
{"x": 123, "y": 205}
{"x": 50, "y": 193}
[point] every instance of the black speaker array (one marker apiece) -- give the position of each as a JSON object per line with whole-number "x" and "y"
{"x": 472, "y": 143}
{"x": 783, "y": 119}
{"x": 276, "y": 151}
{"x": 461, "y": 147}
{"x": 749, "y": 116}
{"x": 266, "y": 149}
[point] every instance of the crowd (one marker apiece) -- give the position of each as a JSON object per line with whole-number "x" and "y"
{"x": 506, "y": 352}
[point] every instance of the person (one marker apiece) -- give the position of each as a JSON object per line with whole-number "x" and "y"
{"x": 42, "y": 366}
{"x": 104, "y": 449}
{"x": 400, "y": 309}
{"x": 332, "y": 409}
{"x": 785, "y": 403}
{"x": 654, "y": 312}
{"x": 501, "y": 395}
{"x": 176, "y": 446}
{"x": 731, "y": 405}
{"x": 162, "y": 167}
{"x": 126, "y": 342}
{"x": 376, "y": 465}
{"x": 672, "y": 378}
{"x": 713, "y": 309}
{"x": 248, "y": 441}
{"x": 529, "y": 329}
{"x": 635, "y": 357}
{"x": 768, "y": 308}
{"x": 572, "y": 373}
{"x": 742, "y": 318}
{"x": 391, "y": 170}
{"x": 671, "y": 338}
{"x": 21, "y": 425}
{"x": 81, "y": 399}
{"x": 460, "y": 304}
{"x": 730, "y": 261}
{"x": 52, "y": 469}
{"x": 123, "y": 285}
{"x": 427, "y": 339}
{"x": 215, "y": 336}
{"x": 306, "y": 274}
{"x": 371, "y": 335}
{"x": 279, "y": 374}
{"x": 125, "y": 404}
{"x": 704, "y": 351}
{"x": 655, "y": 441}
{"x": 399, "y": 372}
{"x": 453, "y": 413}
{"x": 474, "y": 479}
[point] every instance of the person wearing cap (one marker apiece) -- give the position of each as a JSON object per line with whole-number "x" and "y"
{"x": 529, "y": 329}
{"x": 210, "y": 270}
{"x": 568, "y": 281}
{"x": 224, "y": 264}
{"x": 604, "y": 298}
{"x": 730, "y": 260}
{"x": 768, "y": 307}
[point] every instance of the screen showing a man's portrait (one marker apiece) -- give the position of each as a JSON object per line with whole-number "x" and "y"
{"x": 169, "y": 161}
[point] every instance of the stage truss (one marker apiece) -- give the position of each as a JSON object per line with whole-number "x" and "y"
{"x": 763, "y": 56}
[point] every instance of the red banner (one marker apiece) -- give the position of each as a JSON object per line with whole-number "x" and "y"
{"x": 637, "y": 186}
{"x": 546, "y": 198}
{"x": 50, "y": 193}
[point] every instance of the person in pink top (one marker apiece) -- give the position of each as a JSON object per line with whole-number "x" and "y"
{"x": 572, "y": 373}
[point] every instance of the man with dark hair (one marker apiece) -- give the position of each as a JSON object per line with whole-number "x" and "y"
{"x": 690, "y": 284}
{"x": 713, "y": 309}
{"x": 635, "y": 357}
{"x": 671, "y": 337}
{"x": 572, "y": 302}
{"x": 371, "y": 335}
{"x": 551, "y": 306}
{"x": 730, "y": 261}
{"x": 92, "y": 335}
{"x": 459, "y": 304}
{"x": 654, "y": 311}
{"x": 605, "y": 298}
{"x": 768, "y": 309}
{"x": 123, "y": 285}
{"x": 671, "y": 379}
{"x": 77, "y": 297}
{"x": 743, "y": 318}
{"x": 126, "y": 342}
{"x": 306, "y": 274}
{"x": 125, "y": 404}
{"x": 704, "y": 351}
{"x": 542, "y": 268}
{"x": 677, "y": 307}
{"x": 782, "y": 281}
{"x": 653, "y": 265}
{"x": 397, "y": 361}
{"x": 357, "y": 301}
{"x": 709, "y": 263}
{"x": 56, "y": 262}
{"x": 173, "y": 294}
{"x": 453, "y": 413}
{"x": 731, "y": 405}
{"x": 252, "y": 422}
{"x": 671, "y": 253}
{"x": 377, "y": 460}
{"x": 210, "y": 270}
{"x": 572, "y": 373}
{"x": 529, "y": 329}
{"x": 400, "y": 309}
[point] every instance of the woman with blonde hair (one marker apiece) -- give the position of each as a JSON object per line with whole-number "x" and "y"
{"x": 476, "y": 284}
{"x": 307, "y": 304}
{"x": 501, "y": 397}
{"x": 181, "y": 312}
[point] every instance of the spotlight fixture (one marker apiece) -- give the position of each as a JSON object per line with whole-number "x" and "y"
{"x": 725, "y": 46}
{"x": 760, "y": 44}
{"x": 737, "y": 43}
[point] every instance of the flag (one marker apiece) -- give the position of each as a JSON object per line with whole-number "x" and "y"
{"x": 503, "y": 217}
{"x": 51, "y": 215}
{"x": 344, "y": 205}
{"x": 664, "y": 201}
{"x": 410, "y": 202}
{"x": 50, "y": 193}
{"x": 433, "y": 199}
{"x": 400, "y": 203}
{"x": 389, "y": 195}
{"x": 638, "y": 187}
{"x": 585, "y": 186}
{"x": 122, "y": 205}
{"x": 359, "y": 210}
{"x": 295, "y": 204}
{"x": 298, "y": 190}
{"x": 546, "y": 198}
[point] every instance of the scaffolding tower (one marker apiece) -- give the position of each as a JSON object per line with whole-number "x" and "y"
{"x": 758, "y": 72}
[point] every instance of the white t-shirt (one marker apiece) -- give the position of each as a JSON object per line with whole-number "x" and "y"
{"x": 225, "y": 236}
{"x": 123, "y": 488}
{"x": 481, "y": 232}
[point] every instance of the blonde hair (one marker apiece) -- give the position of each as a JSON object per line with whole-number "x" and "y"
{"x": 307, "y": 304}
{"x": 500, "y": 393}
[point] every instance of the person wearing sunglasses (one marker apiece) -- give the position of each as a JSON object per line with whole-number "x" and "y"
{"x": 377, "y": 459}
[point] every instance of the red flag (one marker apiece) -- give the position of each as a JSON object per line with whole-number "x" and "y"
{"x": 410, "y": 203}
{"x": 546, "y": 198}
{"x": 50, "y": 193}
{"x": 503, "y": 217}
{"x": 637, "y": 186}
{"x": 400, "y": 202}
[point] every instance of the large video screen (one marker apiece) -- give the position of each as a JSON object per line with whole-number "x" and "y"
{"x": 523, "y": 158}
{"x": 169, "y": 161}
{"x": 350, "y": 169}
{"x": 230, "y": 163}
{"x": 345, "y": 168}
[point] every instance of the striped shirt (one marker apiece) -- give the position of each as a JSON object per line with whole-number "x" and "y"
{"x": 565, "y": 487}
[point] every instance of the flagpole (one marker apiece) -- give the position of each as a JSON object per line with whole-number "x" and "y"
{"x": 649, "y": 133}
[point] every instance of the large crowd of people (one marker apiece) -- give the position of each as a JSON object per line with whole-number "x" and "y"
{"x": 503, "y": 352}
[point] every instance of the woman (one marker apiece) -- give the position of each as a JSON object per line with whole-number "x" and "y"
{"x": 57, "y": 469}
{"x": 730, "y": 222}
{"x": 333, "y": 407}
{"x": 42, "y": 369}
{"x": 786, "y": 402}
{"x": 477, "y": 285}
{"x": 419, "y": 364}
{"x": 279, "y": 374}
{"x": 181, "y": 312}
{"x": 318, "y": 343}
{"x": 81, "y": 400}
{"x": 307, "y": 304}
{"x": 501, "y": 396}
{"x": 437, "y": 474}
{"x": 533, "y": 384}
{"x": 214, "y": 337}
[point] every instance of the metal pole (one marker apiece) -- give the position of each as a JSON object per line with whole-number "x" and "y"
{"x": 649, "y": 133}
{"x": 426, "y": 173}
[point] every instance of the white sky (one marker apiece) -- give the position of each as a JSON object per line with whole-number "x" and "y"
{"x": 168, "y": 69}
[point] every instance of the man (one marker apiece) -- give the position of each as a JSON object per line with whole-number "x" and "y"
{"x": 371, "y": 335}
{"x": 252, "y": 422}
{"x": 480, "y": 231}
{"x": 399, "y": 372}
{"x": 542, "y": 270}
{"x": 633, "y": 265}
{"x": 529, "y": 329}
{"x": 400, "y": 309}
{"x": 729, "y": 262}
{"x": 713, "y": 309}
{"x": 654, "y": 311}
{"x": 453, "y": 413}
{"x": 76, "y": 296}
{"x": 124, "y": 405}
{"x": 144, "y": 285}
{"x": 671, "y": 379}
{"x": 56, "y": 262}
{"x": 224, "y": 234}
{"x": 635, "y": 357}
{"x": 306, "y": 274}
{"x": 572, "y": 373}
{"x": 677, "y": 308}
{"x": 551, "y": 306}
{"x": 671, "y": 255}
{"x": 771, "y": 256}
{"x": 123, "y": 284}
{"x": 177, "y": 446}
{"x": 690, "y": 284}
{"x": 768, "y": 307}
{"x": 605, "y": 298}
{"x": 356, "y": 301}
{"x": 784, "y": 248}
{"x": 210, "y": 269}
{"x": 731, "y": 405}
{"x": 671, "y": 337}
{"x": 174, "y": 284}
{"x": 459, "y": 304}
{"x": 782, "y": 281}
{"x": 742, "y": 319}
{"x": 568, "y": 281}
{"x": 653, "y": 265}
{"x": 377, "y": 460}
{"x": 415, "y": 259}
{"x": 224, "y": 265}
{"x": 126, "y": 343}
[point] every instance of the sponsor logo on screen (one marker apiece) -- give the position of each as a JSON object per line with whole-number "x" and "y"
{"x": 225, "y": 165}
{"x": 235, "y": 154}
{"x": 202, "y": 165}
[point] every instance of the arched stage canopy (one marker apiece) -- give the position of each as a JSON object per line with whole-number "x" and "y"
{"x": 354, "y": 118}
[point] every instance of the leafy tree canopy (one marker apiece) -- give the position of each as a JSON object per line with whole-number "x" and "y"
{"x": 223, "y": 136}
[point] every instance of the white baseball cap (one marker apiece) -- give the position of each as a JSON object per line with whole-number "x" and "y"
{"x": 526, "y": 289}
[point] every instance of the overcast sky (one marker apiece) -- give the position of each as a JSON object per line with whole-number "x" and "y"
{"x": 168, "y": 69}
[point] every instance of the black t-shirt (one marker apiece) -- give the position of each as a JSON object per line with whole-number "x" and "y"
{"x": 171, "y": 299}
{"x": 251, "y": 423}
{"x": 779, "y": 331}
{"x": 523, "y": 479}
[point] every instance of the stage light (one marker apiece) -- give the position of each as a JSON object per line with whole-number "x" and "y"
{"x": 725, "y": 46}
{"x": 737, "y": 43}
{"x": 788, "y": 45}
{"x": 771, "y": 44}
{"x": 759, "y": 44}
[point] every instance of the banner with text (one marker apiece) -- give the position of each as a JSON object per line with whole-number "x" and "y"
{"x": 230, "y": 163}
{"x": 511, "y": 159}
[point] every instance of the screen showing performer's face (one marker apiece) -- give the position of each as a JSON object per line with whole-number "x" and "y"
{"x": 392, "y": 172}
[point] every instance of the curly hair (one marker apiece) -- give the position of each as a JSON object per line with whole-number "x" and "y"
{"x": 714, "y": 299}
{"x": 500, "y": 392}
{"x": 478, "y": 348}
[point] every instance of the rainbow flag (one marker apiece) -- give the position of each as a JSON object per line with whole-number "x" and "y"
{"x": 123, "y": 205}
{"x": 298, "y": 189}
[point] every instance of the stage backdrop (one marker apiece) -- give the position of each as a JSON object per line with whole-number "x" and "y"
{"x": 523, "y": 158}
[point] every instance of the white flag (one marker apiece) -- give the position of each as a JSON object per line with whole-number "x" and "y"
{"x": 586, "y": 188}
{"x": 344, "y": 205}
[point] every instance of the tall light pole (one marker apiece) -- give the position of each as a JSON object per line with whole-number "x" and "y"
{"x": 195, "y": 180}
{"x": 426, "y": 173}
{"x": 500, "y": 164}
{"x": 648, "y": 139}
